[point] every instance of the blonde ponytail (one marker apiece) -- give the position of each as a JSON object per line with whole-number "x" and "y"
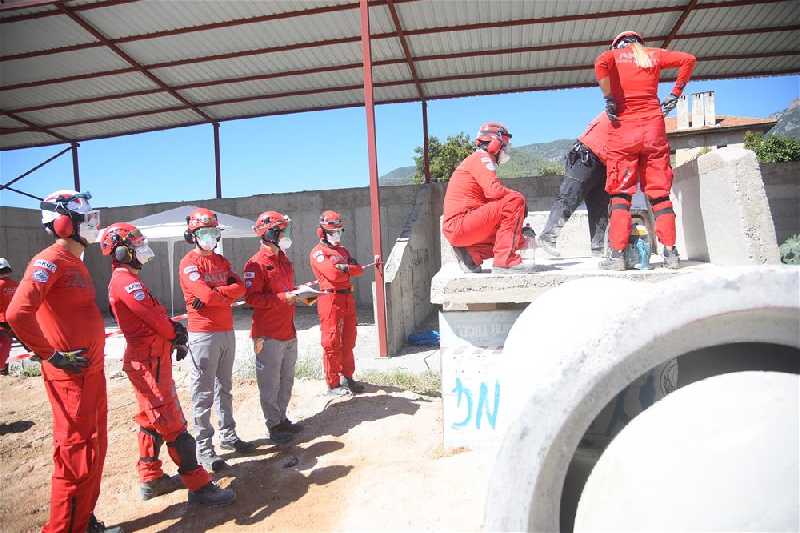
{"x": 640, "y": 56}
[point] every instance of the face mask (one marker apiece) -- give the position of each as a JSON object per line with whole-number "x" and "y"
{"x": 335, "y": 237}
{"x": 285, "y": 243}
{"x": 88, "y": 229}
{"x": 503, "y": 158}
{"x": 144, "y": 253}
{"x": 207, "y": 238}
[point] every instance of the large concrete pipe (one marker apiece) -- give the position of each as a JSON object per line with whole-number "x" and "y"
{"x": 721, "y": 454}
{"x": 576, "y": 347}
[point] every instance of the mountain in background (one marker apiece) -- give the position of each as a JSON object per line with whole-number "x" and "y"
{"x": 534, "y": 159}
{"x": 788, "y": 121}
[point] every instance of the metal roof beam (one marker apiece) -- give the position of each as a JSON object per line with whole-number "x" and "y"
{"x": 52, "y": 12}
{"x": 132, "y": 62}
{"x": 32, "y": 126}
{"x": 678, "y": 23}
{"x": 404, "y": 44}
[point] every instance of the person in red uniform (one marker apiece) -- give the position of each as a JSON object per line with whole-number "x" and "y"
{"x": 150, "y": 339}
{"x": 7, "y": 288}
{"x": 483, "y": 218}
{"x": 210, "y": 287}
{"x": 54, "y": 313}
{"x": 638, "y": 150}
{"x": 584, "y": 180}
{"x": 269, "y": 285}
{"x": 333, "y": 266}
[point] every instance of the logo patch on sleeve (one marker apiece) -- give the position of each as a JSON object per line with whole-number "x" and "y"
{"x": 488, "y": 163}
{"x": 189, "y": 269}
{"x": 40, "y": 275}
{"x": 194, "y": 276}
{"x": 45, "y": 264}
{"x": 135, "y": 286}
{"x": 248, "y": 283}
{"x": 320, "y": 258}
{"x": 249, "y": 275}
{"x": 138, "y": 296}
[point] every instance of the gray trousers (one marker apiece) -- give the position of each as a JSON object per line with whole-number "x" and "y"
{"x": 275, "y": 375}
{"x": 211, "y": 380}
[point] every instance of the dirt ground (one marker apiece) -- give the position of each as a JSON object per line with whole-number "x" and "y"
{"x": 372, "y": 462}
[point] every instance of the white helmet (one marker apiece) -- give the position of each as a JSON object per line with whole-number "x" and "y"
{"x": 67, "y": 214}
{"x": 4, "y": 264}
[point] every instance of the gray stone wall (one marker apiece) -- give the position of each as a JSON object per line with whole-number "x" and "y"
{"x": 782, "y": 185}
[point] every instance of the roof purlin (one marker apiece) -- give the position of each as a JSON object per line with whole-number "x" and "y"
{"x": 406, "y": 50}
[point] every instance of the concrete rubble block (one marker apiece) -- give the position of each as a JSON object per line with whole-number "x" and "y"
{"x": 722, "y": 211}
{"x": 574, "y": 238}
{"x": 704, "y": 459}
{"x": 555, "y": 378}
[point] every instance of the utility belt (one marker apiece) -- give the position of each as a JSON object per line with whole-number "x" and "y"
{"x": 337, "y": 291}
{"x": 582, "y": 152}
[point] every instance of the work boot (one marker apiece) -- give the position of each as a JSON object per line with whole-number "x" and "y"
{"x": 289, "y": 427}
{"x": 672, "y": 259}
{"x": 4, "y": 371}
{"x": 211, "y": 495}
{"x": 163, "y": 485}
{"x": 516, "y": 268}
{"x": 548, "y": 243}
{"x": 95, "y": 526}
{"x": 616, "y": 261}
{"x": 238, "y": 445}
{"x": 354, "y": 386}
{"x": 213, "y": 463}
{"x": 278, "y": 435}
{"x": 339, "y": 391}
{"x": 465, "y": 260}
{"x": 597, "y": 252}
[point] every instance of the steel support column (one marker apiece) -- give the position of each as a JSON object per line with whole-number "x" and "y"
{"x": 217, "y": 166}
{"x": 76, "y": 168}
{"x": 426, "y": 169}
{"x": 374, "y": 192}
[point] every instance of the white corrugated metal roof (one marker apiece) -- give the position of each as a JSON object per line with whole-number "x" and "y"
{"x": 227, "y": 60}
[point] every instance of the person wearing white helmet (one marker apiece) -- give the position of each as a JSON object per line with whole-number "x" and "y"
{"x": 54, "y": 312}
{"x": 7, "y": 288}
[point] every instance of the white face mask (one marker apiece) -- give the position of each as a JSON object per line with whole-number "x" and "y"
{"x": 144, "y": 253}
{"x": 88, "y": 229}
{"x": 285, "y": 243}
{"x": 503, "y": 158}
{"x": 207, "y": 238}
{"x": 335, "y": 237}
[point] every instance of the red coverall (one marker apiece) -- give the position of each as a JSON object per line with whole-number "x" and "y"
{"x": 7, "y": 288}
{"x": 267, "y": 276}
{"x": 205, "y": 277}
{"x": 481, "y": 215}
{"x": 54, "y": 309}
{"x": 337, "y": 309}
{"x": 148, "y": 363}
{"x": 638, "y": 150}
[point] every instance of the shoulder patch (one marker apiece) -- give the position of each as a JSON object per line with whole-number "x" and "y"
{"x": 135, "y": 286}
{"x": 138, "y": 296}
{"x": 194, "y": 276}
{"x": 45, "y": 264}
{"x": 488, "y": 163}
{"x": 249, "y": 275}
{"x": 320, "y": 258}
{"x": 189, "y": 269}
{"x": 40, "y": 275}
{"x": 248, "y": 283}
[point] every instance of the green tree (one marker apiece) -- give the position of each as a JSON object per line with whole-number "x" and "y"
{"x": 772, "y": 148}
{"x": 443, "y": 157}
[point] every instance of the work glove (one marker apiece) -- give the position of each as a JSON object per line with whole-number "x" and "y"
{"x": 180, "y": 351}
{"x": 72, "y": 362}
{"x": 611, "y": 108}
{"x": 181, "y": 334}
{"x": 232, "y": 280}
{"x": 669, "y": 104}
{"x": 343, "y": 267}
{"x": 197, "y": 304}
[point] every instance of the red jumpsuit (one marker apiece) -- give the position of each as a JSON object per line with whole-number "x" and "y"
{"x": 337, "y": 309}
{"x": 54, "y": 309}
{"x": 481, "y": 215}
{"x": 638, "y": 150}
{"x": 205, "y": 277}
{"x": 148, "y": 363}
{"x": 267, "y": 276}
{"x": 7, "y": 288}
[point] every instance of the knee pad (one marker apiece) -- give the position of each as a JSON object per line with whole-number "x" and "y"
{"x": 620, "y": 202}
{"x": 157, "y": 439}
{"x": 661, "y": 206}
{"x": 186, "y": 447}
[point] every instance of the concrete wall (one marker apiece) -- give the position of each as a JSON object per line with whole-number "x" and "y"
{"x": 782, "y": 185}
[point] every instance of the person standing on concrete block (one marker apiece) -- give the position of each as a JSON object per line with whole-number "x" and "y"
{"x": 482, "y": 218}
{"x": 269, "y": 285}
{"x": 7, "y": 288}
{"x": 150, "y": 338}
{"x": 638, "y": 150}
{"x": 210, "y": 287}
{"x": 584, "y": 180}
{"x": 54, "y": 312}
{"x": 333, "y": 266}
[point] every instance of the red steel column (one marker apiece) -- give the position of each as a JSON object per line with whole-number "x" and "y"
{"x": 217, "y": 169}
{"x": 76, "y": 169}
{"x": 374, "y": 193}
{"x": 426, "y": 169}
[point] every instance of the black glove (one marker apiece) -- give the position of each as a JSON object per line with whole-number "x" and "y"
{"x": 611, "y": 108}
{"x": 232, "y": 280}
{"x": 197, "y": 304}
{"x": 181, "y": 335}
{"x": 669, "y": 104}
{"x": 73, "y": 362}
{"x": 343, "y": 267}
{"x": 180, "y": 351}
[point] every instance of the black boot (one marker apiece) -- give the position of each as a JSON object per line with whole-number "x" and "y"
{"x": 95, "y": 526}
{"x": 277, "y": 435}
{"x": 672, "y": 259}
{"x": 465, "y": 260}
{"x": 212, "y": 495}
{"x": 213, "y": 463}
{"x": 288, "y": 426}
{"x": 354, "y": 386}
{"x": 615, "y": 262}
{"x": 238, "y": 445}
{"x": 163, "y": 485}
{"x": 547, "y": 242}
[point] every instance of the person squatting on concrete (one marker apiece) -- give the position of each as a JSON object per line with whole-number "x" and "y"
{"x": 7, "y": 288}
{"x": 269, "y": 282}
{"x": 54, "y": 313}
{"x": 333, "y": 266}
{"x": 482, "y": 218}
{"x": 150, "y": 338}
{"x": 210, "y": 287}
{"x": 638, "y": 150}
{"x": 584, "y": 180}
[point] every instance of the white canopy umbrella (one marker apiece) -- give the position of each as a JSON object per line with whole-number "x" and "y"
{"x": 168, "y": 226}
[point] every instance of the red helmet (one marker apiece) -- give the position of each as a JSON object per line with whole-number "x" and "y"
{"x": 630, "y": 34}
{"x": 495, "y": 134}
{"x": 202, "y": 218}
{"x": 270, "y": 220}
{"x": 330, "y": 220}
{"x": 120, "y": 234}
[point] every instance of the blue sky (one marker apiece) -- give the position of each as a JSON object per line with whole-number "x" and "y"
{"x": 327, "y": 150}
